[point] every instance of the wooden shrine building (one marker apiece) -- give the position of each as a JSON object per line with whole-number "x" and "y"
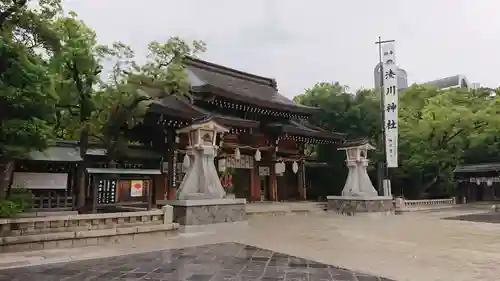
{"x": 478, "y": 182}
{"x": 261, "y": 158}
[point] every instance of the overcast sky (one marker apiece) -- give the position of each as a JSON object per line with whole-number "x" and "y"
{"x": 301, "y": 42}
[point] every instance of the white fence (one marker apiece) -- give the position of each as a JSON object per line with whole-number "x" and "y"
{"x": 428, "y": 203}
{"x": 410, "y": 205}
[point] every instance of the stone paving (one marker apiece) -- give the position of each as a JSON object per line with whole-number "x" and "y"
{"x": 225, "y": 261}
{"x": 489, "y": 217}
{"x": 411, "y": 247}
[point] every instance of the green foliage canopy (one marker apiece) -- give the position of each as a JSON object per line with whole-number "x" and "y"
{"x": 438, "y": 129}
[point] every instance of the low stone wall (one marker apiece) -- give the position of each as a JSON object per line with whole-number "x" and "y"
{"x": 354, "y": 205}
{"x": 403, "y": 205}
{"x": 23, "y": 234}
{"x": 210, "y": 211}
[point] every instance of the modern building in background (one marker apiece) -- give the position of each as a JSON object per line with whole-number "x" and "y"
{"x": 401, "y": 74}
{"x": 455, "y": 81}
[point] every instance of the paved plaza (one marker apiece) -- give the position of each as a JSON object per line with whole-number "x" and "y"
{"x": 414, "y": 247}
{"x": 224, "y": 261}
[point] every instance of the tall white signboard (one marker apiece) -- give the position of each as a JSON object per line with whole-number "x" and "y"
{"x": 391, "y": 98}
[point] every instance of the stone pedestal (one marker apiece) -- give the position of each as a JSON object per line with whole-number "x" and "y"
{"x": 354, "y": 205}
{"x": 208, "y": 211}
{"x": 201, "y": 199}
{"x": 359, "y": 196}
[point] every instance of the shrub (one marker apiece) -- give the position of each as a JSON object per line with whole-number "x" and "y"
{"x": 21, "y": 196}
{"x": 17, "y": 202}
{"x": 9, "y": 208}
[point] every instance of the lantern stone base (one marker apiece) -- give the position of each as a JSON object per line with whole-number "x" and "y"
{"x": 207, "y": 211}
{"x": 354, "y": 205}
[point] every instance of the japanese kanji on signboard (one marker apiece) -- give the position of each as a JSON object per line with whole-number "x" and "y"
{"x": 391, "y": 99}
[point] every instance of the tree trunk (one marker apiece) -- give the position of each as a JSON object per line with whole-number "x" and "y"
{"x": 6, "y": 171}
{"x": 80, "y": 174}
{"x": 428, "y": 185}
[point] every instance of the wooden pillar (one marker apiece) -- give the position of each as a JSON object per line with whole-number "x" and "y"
{"x": 273, "y": 185}
{"x": 301, "y": 181}
{"x": 255, "y": 184}
{"x": 169, "y": 176}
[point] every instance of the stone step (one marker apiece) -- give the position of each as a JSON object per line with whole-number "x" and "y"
{"x": 20, "y": 232}
{"x": 73, "y": 239}
{"x": 283, "y": 209}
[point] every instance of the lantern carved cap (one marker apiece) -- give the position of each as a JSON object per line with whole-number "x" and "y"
{"x": 357, "y": 150}
{"x": 203, "y": 132}
{"x": 357, "y": 144}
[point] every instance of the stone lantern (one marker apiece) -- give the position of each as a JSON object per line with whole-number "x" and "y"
{"x": 358, "y": 183}
{"x": 201, "y": 199}
{"x": 201, "y": 180}
{"x": 359, "y": 195}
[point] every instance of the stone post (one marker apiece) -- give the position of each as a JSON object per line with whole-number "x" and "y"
{"x": 168, "y": 214}
{"x": 400, "y": 203}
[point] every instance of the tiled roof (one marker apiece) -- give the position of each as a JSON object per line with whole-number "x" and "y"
{"x": 239, "y": 86}
{"x": 179, "y": 107}
{"x": 296, "y": 128}
{"x": 477, "y": 168}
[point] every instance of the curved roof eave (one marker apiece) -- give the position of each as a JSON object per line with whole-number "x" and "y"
{"x": 299, "y": 109}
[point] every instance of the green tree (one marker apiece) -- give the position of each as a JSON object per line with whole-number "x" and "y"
{"x": 131, "y": 88}
{"x": 437, "y": 130}
{"x": 27, "y": 86}
{"x": 356, "y": 114}
{"x": 78, "y": 66}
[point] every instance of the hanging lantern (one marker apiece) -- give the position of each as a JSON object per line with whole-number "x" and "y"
{"x": 237, "y": 154}
{"x": 280, "y": 167}
{"x": 177, "y": 139}
{"x": 295, "y": 167}
{"x": 186, "y": 162}
{"x": 277, "y": 167}
{"x": 257, "y": 155}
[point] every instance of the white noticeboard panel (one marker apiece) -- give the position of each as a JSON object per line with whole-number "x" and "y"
{"x": 136, "y": 188}
{"x": 40, "y": 180}
{"x": 391, "y": 103}
{"x": 264, "y": 171}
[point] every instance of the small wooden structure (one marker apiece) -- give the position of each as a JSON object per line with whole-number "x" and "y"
{"x": 50, "y": 176}
{"x": 477, "y": 182}
{"x": 111, "y": 188}
{"x": 128, "y": 182}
